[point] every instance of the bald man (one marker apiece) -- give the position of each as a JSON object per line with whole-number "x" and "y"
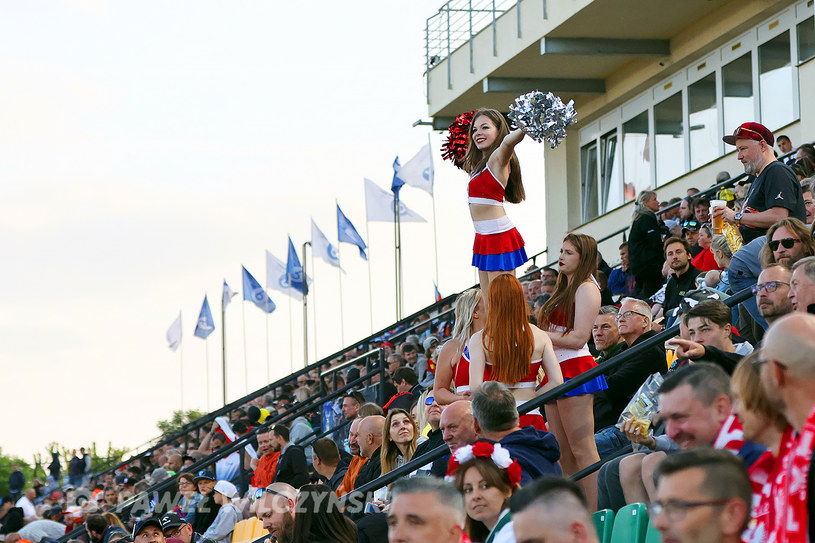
{"x": 357, "y": 460}
{"x": 458, "y": 425}
{"x": 552, "y": 509}
{"x": 788, "y": 378}
{"x": 370, "y": 443}
{"x": 276, "y": 510}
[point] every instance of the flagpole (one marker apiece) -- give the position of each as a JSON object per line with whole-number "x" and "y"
{"x": 435, "y": 237}
{"x": 399, "y": 253}
{"x": 370, "y": 291}
{"x": 291, "y": 337}
{"x": 223, "y": 345}
{"x": 314, "y": 306}
{"x": 305, "y": 306}
{"x": 245, "y": 354}
{"x": 396, "y": 250}
{"x": 181, "y": 372}
{"x": 268, "y": 371}
{"x": 342, "y": 313}
{"x": 206, "y": 352}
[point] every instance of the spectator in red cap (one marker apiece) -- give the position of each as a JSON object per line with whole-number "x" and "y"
{"x": 775, "y": 193}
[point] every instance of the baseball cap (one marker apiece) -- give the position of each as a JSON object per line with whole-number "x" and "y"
{"x": 204, "y": 474}
{"x": 751, "y": 131}
{"x": 145, "y": 522}
{"x": 691, "y": 225}
{"x": 429, "y": 341}
{"x": 172, "y": 520}
{"x": 226, "y": 488}
{"x": 110, "y": 530}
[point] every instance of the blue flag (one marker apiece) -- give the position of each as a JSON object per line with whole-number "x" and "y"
{"x": 255, "y": 293}
{"x": 294, "y": 271}
{"x": 205, "y": 325}
{"x": 348, "y": 234}
{"x": 397, "y": 181}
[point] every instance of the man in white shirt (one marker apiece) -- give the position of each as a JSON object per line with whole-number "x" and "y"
{"x": 26, "y": 503}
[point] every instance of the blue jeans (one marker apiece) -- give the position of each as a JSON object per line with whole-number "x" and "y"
{"x": 608, "y": 440}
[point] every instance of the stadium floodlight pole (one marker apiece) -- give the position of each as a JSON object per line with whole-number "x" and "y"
{"x": 223, "y": 344}
{"x": 305, "y": 307}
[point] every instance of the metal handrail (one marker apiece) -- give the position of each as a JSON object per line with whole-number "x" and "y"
{"x": 547, "y": 397}
{"x": 239, "y": 444}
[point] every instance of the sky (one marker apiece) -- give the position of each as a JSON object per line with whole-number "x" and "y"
{"x": 149, "y": 149}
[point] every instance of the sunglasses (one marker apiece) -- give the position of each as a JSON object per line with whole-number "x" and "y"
{"x": 429, "y": 400}
{"x": 742, "y": 132}
{"x": 786, "y": 243}
{"x": 261, "y": 491}
{"x": 769, "y": 286}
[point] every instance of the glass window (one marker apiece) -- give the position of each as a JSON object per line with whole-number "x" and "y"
{"x": 611, "y": 189}
{"x": 636, "y": 156}
{"x": 737, "y": 88}
{"x": 703, "y": 121}
{"x": 775, "y": 82}
{"x": 669, "y": 139}
{"x": 806, "y": 39}
{"x": 588, "y": 174}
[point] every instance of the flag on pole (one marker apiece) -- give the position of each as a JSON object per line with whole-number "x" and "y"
{"x": 418, "y": 171}
{"x": 294, "y": 271}
{"x": 255, "y": 293}
{"x": 174, "y": 334}
{"x": 205, "y": 325}
{"x": 227, "y": 295}
{"x": 348, "y": 234}
{"x": 436, "y": 292}
{"x": 397, "y": 183}
{"x": 277, "y": 278}
{"x": 322, "y": 247}
{"x": 379, "y": 206}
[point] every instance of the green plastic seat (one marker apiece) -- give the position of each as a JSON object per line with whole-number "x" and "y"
{"x": 652, "y": 535}
{"x": 630, "y": 524}
{"x": 603, "y": 522}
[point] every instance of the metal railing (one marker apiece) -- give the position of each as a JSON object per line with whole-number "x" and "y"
{"x": 455, "y": 24}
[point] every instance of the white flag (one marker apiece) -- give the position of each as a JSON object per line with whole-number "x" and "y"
{"x": 418, "y": 171}
{"x": 227, "y": 295}
{"x": 277, "y": 278}
{"x": 174, "y": 333}
{"x": 322, "y": 247}
{"x": 379, "y": 206}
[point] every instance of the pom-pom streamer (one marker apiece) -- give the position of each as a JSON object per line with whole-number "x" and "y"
{"x": 543, "y": 116}
{"x": 458, "y": 139}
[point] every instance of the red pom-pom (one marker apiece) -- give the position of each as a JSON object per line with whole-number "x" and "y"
{"x": 514, "y": 473}
{"x": 458, "y": 139}
{"x": 452, "y": 465}
{"x": 483, "y": 449}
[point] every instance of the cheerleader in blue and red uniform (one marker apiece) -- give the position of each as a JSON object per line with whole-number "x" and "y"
{"x": 495, "y": 177}
{"x": 568, "y": 317}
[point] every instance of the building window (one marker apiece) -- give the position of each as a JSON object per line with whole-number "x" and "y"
{"x": 611, "y": 189}
{"x": 703, "y": 121}
{"x": 588, "y": 175}
{"x": 806, "y": 39}
{"x": 669, "y": 139}
{"x": 636, "y": 156}
{"x": 775, "y": 78}
{"x": 737, "y": 90}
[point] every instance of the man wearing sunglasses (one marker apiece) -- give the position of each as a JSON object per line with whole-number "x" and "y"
{"x": 787, "y": 371}
{"x": 775, "y": 193}
{"x": 275, "y": 507}
{"x": 702, "y": 495}
{"x": 788, "y": 241}
{"x": 174, "y": 525}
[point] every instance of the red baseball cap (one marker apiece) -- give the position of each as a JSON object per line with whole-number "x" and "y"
{"x": 751, "y": 131}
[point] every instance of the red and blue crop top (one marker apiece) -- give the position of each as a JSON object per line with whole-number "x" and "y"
{"x": 485, "y": 189}
{"x": 461, "y": 377}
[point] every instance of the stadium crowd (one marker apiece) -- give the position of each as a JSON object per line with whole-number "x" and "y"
{"x": 726, "y": 456}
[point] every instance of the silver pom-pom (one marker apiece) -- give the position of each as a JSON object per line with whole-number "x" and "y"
{"x": 543, "y": 116}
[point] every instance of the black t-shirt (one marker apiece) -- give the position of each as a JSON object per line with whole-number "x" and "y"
{"x": 776, "y": 186}
{"x": 678, "y": 286}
